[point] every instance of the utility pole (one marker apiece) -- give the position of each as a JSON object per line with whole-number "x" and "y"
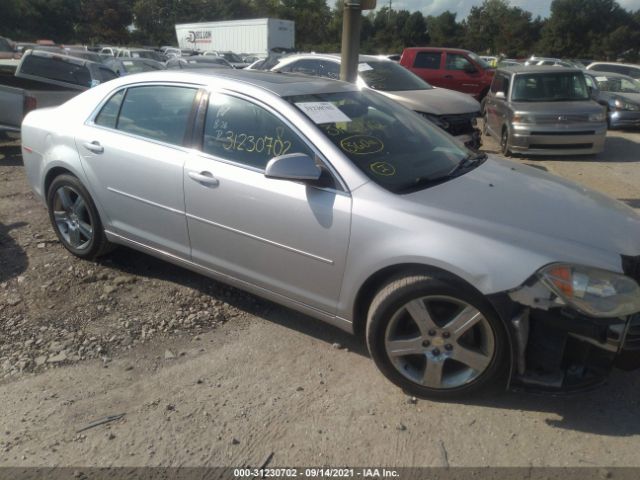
{"x": 351, "y": 24}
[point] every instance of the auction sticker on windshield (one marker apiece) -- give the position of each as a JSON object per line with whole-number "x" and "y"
{"x": 323, "y": 112}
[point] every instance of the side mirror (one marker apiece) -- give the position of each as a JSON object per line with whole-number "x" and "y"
{"x": 293, "y": 166}
{"x": 500, "y": 95}
{"x": 470, "y": 69}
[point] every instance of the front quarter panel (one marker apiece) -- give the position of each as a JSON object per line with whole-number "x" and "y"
{"x": 489, "y": 257}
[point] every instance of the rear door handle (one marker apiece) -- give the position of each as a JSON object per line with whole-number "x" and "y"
{"x": 448, "y": 76}
{"x": 94, "y": 146}
{"x": 205, "y": 178}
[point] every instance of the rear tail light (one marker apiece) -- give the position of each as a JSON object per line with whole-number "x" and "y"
{"x": 30, "y": 103}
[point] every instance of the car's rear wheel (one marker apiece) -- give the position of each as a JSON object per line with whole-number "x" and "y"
{"x": 435, "y": 339}
{"x": 504, "y": 142}
{"x": 75, "y": 218}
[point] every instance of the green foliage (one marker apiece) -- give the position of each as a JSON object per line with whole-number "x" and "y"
{"x": 589, "y": 28}
{"x": 575, "y": 28}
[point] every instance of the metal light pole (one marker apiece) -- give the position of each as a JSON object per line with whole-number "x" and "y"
{"x": 351, "y": 23}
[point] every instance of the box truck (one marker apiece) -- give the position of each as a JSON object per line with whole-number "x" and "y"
{"x": 257, "y": 36}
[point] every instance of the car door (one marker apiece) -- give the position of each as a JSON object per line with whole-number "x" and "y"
{"x": 501, "y": 105}
{"x": 287, "y": 237}
{"x": 133, "y": 155}
{"x": 461, "y": 74}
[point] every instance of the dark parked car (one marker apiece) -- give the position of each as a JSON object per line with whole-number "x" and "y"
{"x": 127, "y": 66}
{"x": 181, "y": 63}
{"x": 620, "y": 94}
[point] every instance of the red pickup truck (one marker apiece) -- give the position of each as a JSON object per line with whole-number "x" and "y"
{"x": 450, "y": 68}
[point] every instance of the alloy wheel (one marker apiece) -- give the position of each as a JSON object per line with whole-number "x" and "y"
{"x": 72, "y": 218}
{"x": 440, "y": 342}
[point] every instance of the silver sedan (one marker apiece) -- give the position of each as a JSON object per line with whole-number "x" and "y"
{"x": 459, "y": 270}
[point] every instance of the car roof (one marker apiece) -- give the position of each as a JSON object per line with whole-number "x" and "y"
{"x": 437, "y": 49}
{"x": 537, "y": 69}
{"x": 280, "y": 84}
{"x": 632, "y": 65}
{"x": 597, "y": 73}
{"x": 336, "y": 57}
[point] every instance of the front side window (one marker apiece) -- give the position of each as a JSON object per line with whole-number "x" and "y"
{"x": 329, "y": 70}
{"x": 157, "y": 112}
{"x": 430, "y": 60}
{"x": 389, "y": 144}
{"x": 245, "y": 133}
{"x": 455, "y": 61}
{"x": 549, "y": 87}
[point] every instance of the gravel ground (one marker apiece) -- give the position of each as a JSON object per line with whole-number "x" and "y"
{"x": 209, "y": 375}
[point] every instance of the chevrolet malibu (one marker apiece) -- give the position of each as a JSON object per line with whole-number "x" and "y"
{"x": 461, "y": 271}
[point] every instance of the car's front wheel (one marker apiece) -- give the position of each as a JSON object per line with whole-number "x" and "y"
{"x": 435, "y": 338}
{"x": 75, "y": 218}
{"x": 504, "y": 142}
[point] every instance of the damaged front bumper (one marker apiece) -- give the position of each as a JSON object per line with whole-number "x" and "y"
{"x": 557, "y": 349}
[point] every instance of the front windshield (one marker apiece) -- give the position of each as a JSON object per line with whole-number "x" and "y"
{"x": 477, "y": 59}
{"x": 618, "y": 84}
{"x": 388, "y": 76}
{"x": 393, "y": 146}
{"x": 549, "y": 87}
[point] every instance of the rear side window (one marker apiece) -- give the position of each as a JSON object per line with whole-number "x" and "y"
{"x": 108, "y": 116}
{"x": 56, "y": 68}
{"x": 245, "y": 133}
{"x": 157, "y": 112}
{"x": 307, "y": 67}
{"x": 427, "y": 60}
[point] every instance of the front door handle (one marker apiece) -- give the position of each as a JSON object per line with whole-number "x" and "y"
{"x": 448, "y": 76}
{"x": 94, "y": 146}
{"x": 205, "y": 178}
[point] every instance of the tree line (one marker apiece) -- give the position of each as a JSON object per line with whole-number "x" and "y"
{"x": 574, "y": 29}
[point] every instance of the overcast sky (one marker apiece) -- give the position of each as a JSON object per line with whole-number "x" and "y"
{"x": 462, "y": 7}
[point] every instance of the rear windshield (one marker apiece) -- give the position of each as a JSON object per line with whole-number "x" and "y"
{"x": 56, "y": 68}
{"x": 147, "y": 54}
{"x": 549, "y": 87}
{"x": 389, "y": 76}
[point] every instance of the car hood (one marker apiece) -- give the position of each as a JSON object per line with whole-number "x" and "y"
{"x": 521, "y": 205}
{"x": 583, "y": 107}
{"x": 631, "y": 97}
{"x": 437, "y": 101}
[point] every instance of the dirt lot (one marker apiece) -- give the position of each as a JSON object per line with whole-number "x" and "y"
{"x": 208, "y": 375}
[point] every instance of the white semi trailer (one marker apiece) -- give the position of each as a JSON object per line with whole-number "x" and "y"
{"x": 257, "y": 36}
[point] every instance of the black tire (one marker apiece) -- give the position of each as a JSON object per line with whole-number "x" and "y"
{"x": 485, "y": 123}
{"x": 395, "y": 296}
{"x": 504, "y": 142}
{"x": 87, "y": 247}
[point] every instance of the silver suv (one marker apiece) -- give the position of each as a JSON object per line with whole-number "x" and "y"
{"x": 544, "y": 111}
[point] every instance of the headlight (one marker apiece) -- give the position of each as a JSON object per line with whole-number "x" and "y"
{"x": 521, "y": 118}
{"x": 594, "y": 292}
{"x": 620, "y": 104}
{"x": 435, "y": 120}
{"x": 597, "y": 117}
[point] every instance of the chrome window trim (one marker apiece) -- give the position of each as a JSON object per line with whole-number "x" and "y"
{"x": 91, "y": 120}
{"x": 285, "y": 121}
